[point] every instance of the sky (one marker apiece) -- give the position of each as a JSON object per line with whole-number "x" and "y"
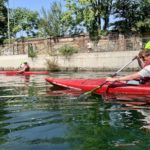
{"x": 34, "y": 5}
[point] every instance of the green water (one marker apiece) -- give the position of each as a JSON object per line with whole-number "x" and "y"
{"x": 32, "y": 118}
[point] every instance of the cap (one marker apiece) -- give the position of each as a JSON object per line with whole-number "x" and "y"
{"x": 147, "y": 46}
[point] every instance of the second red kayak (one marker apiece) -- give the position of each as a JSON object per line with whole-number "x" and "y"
{"x": 108, "y": 88}
{"x": 25, "y": 73}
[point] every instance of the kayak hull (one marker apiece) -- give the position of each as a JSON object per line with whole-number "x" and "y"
{"x": 84, "y": 85}
{"x": 25, "y": 73}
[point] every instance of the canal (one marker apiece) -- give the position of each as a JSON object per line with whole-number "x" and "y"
{"x": 32, "y": 117}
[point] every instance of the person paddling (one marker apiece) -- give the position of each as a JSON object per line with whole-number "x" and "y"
{"x": 24, "y": 68}
{"x": 141, "y": 61}
{"x": 144, "y": 73}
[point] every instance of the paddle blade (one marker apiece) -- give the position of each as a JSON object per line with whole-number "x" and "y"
{"x": 89, "y": 93}
{"x": 85, "y": 95}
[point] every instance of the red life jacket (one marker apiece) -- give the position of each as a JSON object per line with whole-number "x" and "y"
{"x": 27, "y": 68}
{"x": 145, "y": 80}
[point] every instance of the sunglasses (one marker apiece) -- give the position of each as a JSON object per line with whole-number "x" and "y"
{"x": 145, "y": 56}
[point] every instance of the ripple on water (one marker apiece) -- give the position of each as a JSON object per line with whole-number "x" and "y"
{"x": 31, "y": 117}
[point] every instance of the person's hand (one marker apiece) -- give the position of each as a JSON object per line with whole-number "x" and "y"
{"x": 111, "y": 79}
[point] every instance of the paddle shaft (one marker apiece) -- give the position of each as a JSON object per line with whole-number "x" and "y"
{"x": 113, "y": 75}
{"x": 116, "y": 73}
{"x": 95, "y": 89}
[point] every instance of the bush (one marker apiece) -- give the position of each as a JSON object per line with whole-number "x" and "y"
{"x": 6, "y": 41}
{"x": 52, "y": 65}
{"x": 67, "y": 50}
{"x": 31, "y": 51}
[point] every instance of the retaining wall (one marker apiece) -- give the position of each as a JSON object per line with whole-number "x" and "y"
{"x": 81, "y": 61}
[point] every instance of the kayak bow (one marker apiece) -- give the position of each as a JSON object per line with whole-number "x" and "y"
{"x": 110, "y": 88}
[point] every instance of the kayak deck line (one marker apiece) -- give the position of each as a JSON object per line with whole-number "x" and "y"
{"x": 59, "y": 84}
{"x": 109, "y": 88}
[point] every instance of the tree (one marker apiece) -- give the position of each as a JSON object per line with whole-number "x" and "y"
{"x": 143, "y": 25}
{"x": 132, "y": 15}
{"x": 107, "y": 6}
{"x": 23, "y": 20}
{"x": 89, "y": 14}
{"x": 3, "y": 20}
{"x": 126, "y": 12}
{"x": 50, "y": 21}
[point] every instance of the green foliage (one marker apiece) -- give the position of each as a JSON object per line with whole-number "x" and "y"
{"x": 131, "y": 15}
{"x": 52, "y": 65}
{"x": 50, "y": 21}
{"x": 67, "y": 50}
{"x": 134, "y": 15}
{"x": 22, "y": 19}
{"x": 88, "y": 14}
{"x": 3, "y": 20}
{"x": 32, "y": 51}
{"x": 127, "y": 12}
{"x": 80, "y": 16}
{"x": 6, "y": 41}
{"x": 143, "y": 24}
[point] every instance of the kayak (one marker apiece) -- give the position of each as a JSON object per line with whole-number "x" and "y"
{"x": 85, "y": 85}
{"x": 25, "y": 73}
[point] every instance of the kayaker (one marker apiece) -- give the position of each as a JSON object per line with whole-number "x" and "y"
{"x": 142, "y": 63}
{"x": 24, "y": 68}
{"x": 146, "y": 62}
{"x": 142, "y": 74}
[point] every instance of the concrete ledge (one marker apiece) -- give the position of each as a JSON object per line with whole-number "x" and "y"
{"x": 98, "y": 61}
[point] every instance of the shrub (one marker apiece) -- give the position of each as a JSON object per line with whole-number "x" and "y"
{"x": 52, "y": 65}
{"x": 67, "y": 50}
{"x": 31, "y": 52}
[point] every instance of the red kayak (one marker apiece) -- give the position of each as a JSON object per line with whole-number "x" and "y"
{"x": 25, "y": 73}
{"x": 117, "y": 88}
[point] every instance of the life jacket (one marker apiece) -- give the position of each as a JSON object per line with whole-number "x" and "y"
{"x": 145, "y": 80}
{"x": 27, "y": 68}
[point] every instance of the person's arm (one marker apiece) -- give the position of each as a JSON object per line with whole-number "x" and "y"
{"x": 22, "y": 70}
{"x": 125, "y": 78}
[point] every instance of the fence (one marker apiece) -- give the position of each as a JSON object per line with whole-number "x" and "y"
{"x": 113, "y": 42}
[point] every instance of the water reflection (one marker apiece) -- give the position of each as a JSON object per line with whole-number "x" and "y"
{"x": 32, "y": 117}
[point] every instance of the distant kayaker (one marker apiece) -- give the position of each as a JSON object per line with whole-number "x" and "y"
{"x": 142, "y": 74}
{"x": 24, "y": 68}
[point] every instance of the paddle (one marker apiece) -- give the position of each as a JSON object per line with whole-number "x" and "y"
{"x": 113, "y": 75}
{"x": 116, "y": 73}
